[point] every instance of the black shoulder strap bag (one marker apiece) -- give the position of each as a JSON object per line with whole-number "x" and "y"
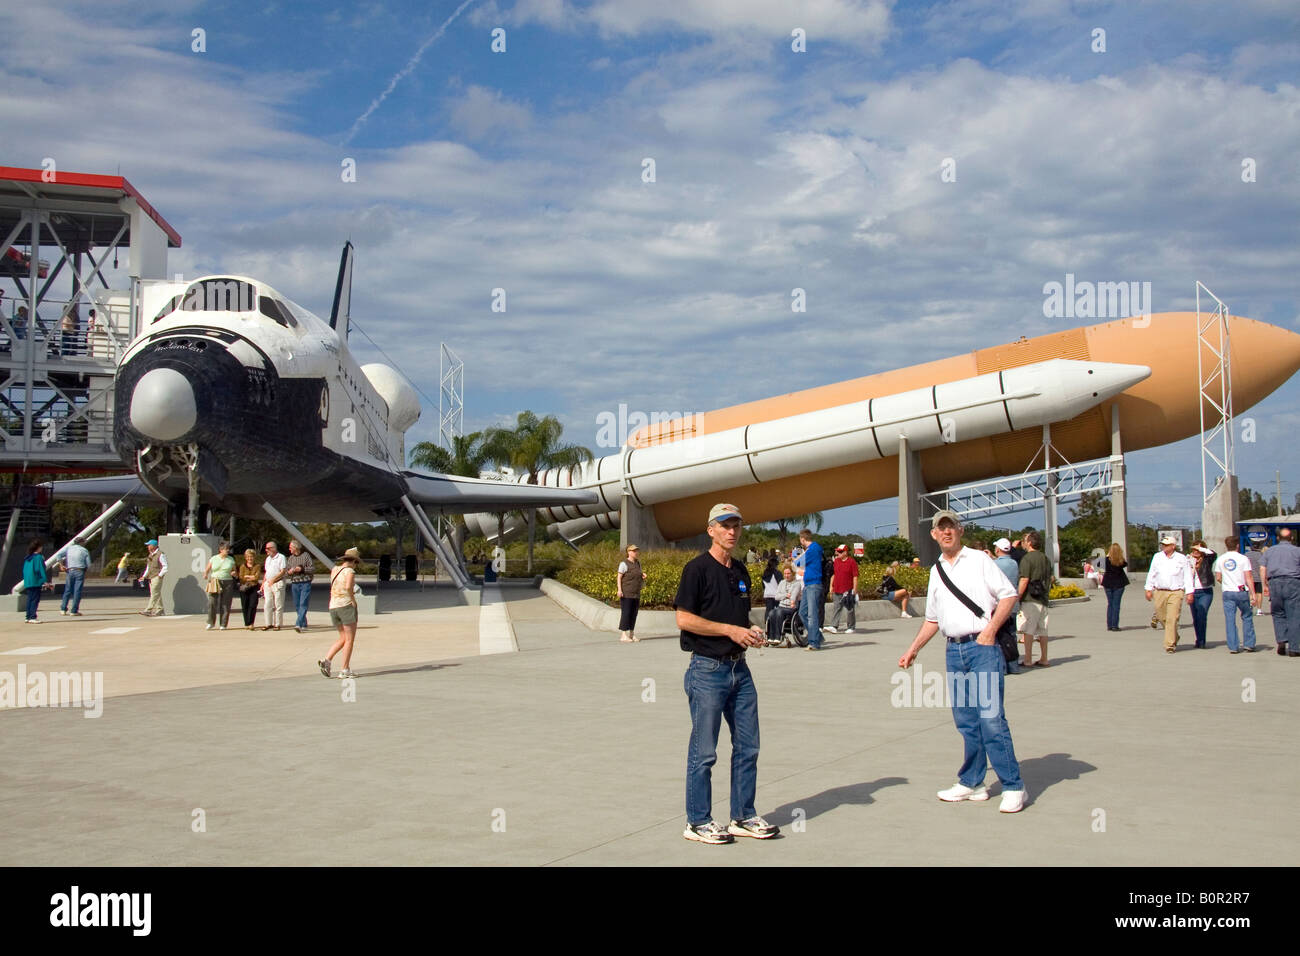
{"x": 1006, "y": 634}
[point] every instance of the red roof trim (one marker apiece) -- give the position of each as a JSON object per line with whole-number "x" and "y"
{"x": 92, "y": 181}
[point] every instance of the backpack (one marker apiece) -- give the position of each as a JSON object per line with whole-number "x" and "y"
{"x": 1036, "y": 589}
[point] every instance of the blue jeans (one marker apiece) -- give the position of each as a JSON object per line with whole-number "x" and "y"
{"x": 72, "y": 590}
{"x": 1201, "y": 601}
{"x": 1284, "y": 600}
{"x": 33, "y": 601}
{"x": 301, "y": 596}
{"x": 976, "y": 677}
{"x": 810, "y": 609}
{"x": 1234, "y": 603}
{"x": 716, "y": 689}
{"x": 1113, "y": 597}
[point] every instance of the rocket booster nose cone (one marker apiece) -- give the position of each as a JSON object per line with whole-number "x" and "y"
{"x": 162, "y": 405}
{"x": 1062, "y": 388}
{"x": 1111, "y": 378}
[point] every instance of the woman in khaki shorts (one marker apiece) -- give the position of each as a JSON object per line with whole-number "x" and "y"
{"x": 343, "y": 611}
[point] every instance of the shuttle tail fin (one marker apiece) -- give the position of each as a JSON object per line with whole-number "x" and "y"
{"x": 341, "y": 313}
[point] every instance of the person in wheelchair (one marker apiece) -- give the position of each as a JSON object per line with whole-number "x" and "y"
{"x": 788, "y": 592}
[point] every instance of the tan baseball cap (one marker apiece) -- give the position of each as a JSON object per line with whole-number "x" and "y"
{"x": 949, "y": 515}
{"x": 722, "y": 511}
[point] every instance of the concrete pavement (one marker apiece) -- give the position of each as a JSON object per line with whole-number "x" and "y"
{"x": 219, "y": 748}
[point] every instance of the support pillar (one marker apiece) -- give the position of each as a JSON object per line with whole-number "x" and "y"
{"x": 1119, "y": 494}
{"x": 187, "y": 558}
{"x": 910, "y": 489}
{"x": 637, "y": 526}
{"x": 1219, "y": 516}
{"x": 1051, "y": 531}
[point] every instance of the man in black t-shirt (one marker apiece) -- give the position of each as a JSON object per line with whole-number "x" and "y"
{"x": 713, "y": 600}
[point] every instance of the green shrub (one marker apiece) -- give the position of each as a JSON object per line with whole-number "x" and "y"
{"x": 1065, "y": 591}
{"x": 885, "y": 550}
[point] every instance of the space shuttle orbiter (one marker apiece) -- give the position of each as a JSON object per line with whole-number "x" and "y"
{"x": 235, "y": 397}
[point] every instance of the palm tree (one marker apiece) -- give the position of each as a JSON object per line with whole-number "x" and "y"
{"x": 531, "y": 446}
{"x": 466, "y": 458}
{"x": 783, "y": 525}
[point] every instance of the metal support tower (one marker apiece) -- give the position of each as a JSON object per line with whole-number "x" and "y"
{"x": 1219, "y": 506}
{"x": 451, "y": 397}
{"x": 451, "y": 425}
{"x": 1214, "y": 378}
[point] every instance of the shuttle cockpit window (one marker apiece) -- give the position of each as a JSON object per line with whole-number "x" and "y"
{"x": 277, "y": 311}
{"x": 213, "y": 295}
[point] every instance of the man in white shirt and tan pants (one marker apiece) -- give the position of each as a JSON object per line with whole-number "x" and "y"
{"x": 273, "y": 586}
{"x": 1169, "y": 583}
{"x": 976, "y": 667}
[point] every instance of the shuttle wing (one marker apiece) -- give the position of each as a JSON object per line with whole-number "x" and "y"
{"x": 447, "y": 492}
{"x": 457, "y": 494}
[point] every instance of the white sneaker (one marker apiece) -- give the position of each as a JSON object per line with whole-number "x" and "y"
{"x": 830, "y": 630}
{"x": 905, "y": 614}
{"x": 849, "y": 630}
{"x": 1013, "y": 801}
{"x": 346, "y": 674}
{"x": 207, "y": 627}
{"x": 957, "y": 793}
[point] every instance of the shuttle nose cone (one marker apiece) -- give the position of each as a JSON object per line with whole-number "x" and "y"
{"x": 162, "y": 405}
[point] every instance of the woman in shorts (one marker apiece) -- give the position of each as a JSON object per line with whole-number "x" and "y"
{"x": 343, "y": 611}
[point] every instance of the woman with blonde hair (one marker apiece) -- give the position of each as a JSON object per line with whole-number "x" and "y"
{"x": 249, "y": 575}
{"x": 1113, "y": 582}
{"x": 343, "y": 611}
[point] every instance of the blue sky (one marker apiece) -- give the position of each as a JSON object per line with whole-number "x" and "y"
{"x": 775, "y": 169}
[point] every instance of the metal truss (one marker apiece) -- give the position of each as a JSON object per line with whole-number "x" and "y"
{"x": 451, "y": 396}
{"x": 1026, "y": 491}
{"x": 1214, "y": 378}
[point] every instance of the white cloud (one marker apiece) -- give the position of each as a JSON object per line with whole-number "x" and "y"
{"x": 480, "y": 112}
{"x": 855, "y": 22}
{"x": 825, "y": 178}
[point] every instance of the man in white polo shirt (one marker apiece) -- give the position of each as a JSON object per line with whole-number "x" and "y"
{"x": 976, "y": 668}
{"x": 273, "y": 582}
{"x": 1232, "y": 570}
{"x": 1169, "y": 583}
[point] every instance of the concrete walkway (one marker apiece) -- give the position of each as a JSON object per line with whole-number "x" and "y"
{"x": 229, "y": 748}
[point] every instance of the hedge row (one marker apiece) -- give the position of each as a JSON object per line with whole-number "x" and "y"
{"x": 592, "y": 571}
